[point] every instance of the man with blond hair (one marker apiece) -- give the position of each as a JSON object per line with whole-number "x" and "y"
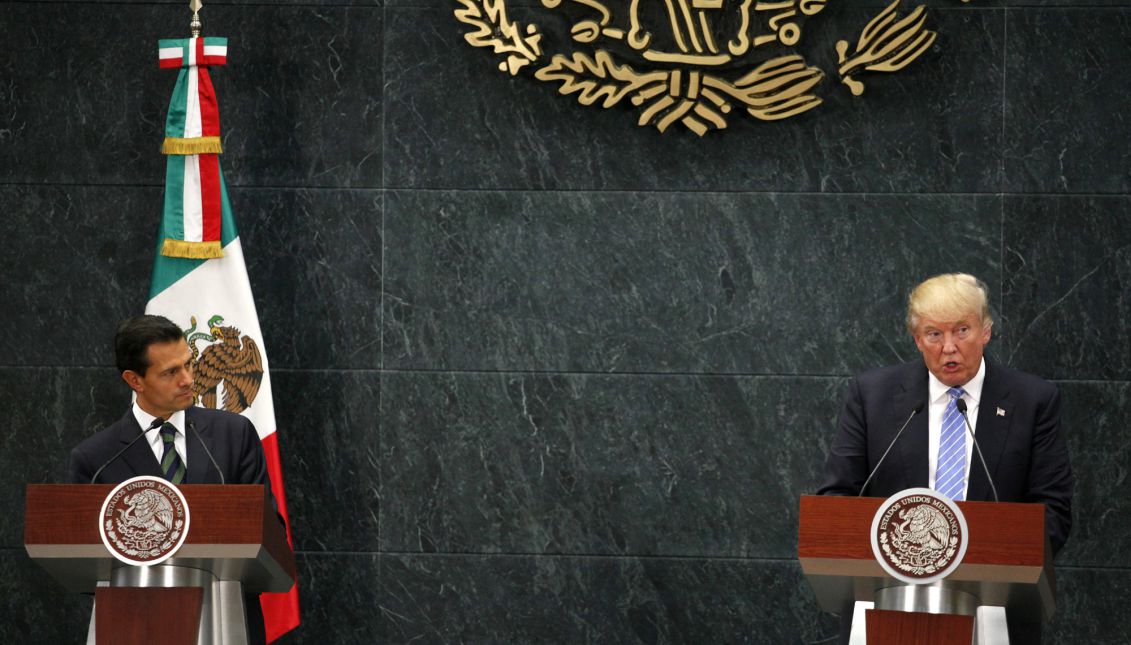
{"x": 1015, "y": 417}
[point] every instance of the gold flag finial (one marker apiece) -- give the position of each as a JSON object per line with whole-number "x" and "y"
{"x": 194, "y": 26}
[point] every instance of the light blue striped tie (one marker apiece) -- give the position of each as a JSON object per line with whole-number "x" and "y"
{"x": 951, "y": 468}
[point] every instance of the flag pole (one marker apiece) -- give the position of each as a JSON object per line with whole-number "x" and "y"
{"x": 199, "y": 272}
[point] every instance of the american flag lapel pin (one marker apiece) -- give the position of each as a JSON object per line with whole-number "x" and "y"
{"x": 1000, "y": 412}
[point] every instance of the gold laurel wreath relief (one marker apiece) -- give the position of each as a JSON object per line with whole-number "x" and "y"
{"x": 494, "y": 30}
{"x": 885, "y": 45}
{"x": 685, "y": 84}
{"x": 774, "y": 90}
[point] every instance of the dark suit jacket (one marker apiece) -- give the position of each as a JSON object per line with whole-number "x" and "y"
{"x": 234, "y": 444}
{"x": 1024, "y": 449}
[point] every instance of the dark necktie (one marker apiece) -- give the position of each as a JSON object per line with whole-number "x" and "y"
{"x": 171, "y": 463}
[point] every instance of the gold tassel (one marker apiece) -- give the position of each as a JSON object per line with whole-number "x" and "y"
{"x": 191, "y": 250}
{"x": 193, "y": 146}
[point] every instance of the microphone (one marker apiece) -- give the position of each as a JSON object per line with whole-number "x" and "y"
{"x": 961, "y": 405}
{"x": 157, "y": 423}
{"x": 192, "y": 426}
{"x": 916, "y": 410}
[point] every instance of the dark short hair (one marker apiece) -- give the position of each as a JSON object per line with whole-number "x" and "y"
{"x": 134, "y": 337}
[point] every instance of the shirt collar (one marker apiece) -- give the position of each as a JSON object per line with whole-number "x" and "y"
{"x": 144, "y": 419}
{"x": 938, "y": 390}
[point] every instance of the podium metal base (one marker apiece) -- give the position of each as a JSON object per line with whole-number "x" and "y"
{"x": 222, "y": 618}
{"x": 938, "y": 598}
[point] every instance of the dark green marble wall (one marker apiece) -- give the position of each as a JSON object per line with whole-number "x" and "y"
{"x": 542, "y": 375}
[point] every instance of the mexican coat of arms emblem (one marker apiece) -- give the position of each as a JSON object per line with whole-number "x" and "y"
{"x": 919, "y": 536}
{"x": 144, "y": 520}
{"x": 693, "y": 63}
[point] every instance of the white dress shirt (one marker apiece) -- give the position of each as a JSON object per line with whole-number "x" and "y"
{"x": 938, "y": 398}
{"x": 156, "y": 444}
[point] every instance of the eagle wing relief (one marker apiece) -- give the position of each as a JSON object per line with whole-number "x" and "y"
{"x": 234, "y": 361}
{"x": 939, "y": 531}
{"x": 242, "y": 383}
{"x": 164, "y": 519}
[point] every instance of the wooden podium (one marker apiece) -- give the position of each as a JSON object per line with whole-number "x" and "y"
{"x": 1008, "y": 564}
{"x": 235, "y": 545}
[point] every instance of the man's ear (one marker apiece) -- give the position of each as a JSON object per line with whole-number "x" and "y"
{"x": 134, "y": 380}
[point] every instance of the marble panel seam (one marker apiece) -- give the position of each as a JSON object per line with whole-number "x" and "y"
{"x": 560, "y": 556}
{"x": 624, "y": 374}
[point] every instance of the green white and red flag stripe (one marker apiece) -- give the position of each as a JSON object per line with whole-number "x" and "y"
{"x": 193, "y": 207}
{"x": 193, "y": 110}
{"x": 172, "y": 52}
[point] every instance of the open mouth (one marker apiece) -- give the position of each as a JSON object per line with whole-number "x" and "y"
{"x": 951, "y": 365}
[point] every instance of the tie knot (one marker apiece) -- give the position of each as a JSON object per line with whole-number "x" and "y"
{"x": 168, "y": 432}
{"x": 956, "y": 392}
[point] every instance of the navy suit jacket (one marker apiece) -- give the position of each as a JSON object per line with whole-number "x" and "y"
{"x": 1023, "y": 445}
{"x": 231, "y": 438}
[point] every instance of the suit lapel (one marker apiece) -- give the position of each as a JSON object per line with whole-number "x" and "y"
{"x": 992, "y": 431}
{"x": 913, "y": 444}
{"x": 198, "y": 463}
{"x": 139, "y": 456}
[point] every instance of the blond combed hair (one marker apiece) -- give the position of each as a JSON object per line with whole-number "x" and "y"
{"x": 949, "y": 297}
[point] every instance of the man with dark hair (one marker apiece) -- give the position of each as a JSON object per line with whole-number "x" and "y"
{"x": 135, "y": 335}
{"x": 157, "y": 364}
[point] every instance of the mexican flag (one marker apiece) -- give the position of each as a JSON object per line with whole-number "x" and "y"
{"x": 200, "y": 280}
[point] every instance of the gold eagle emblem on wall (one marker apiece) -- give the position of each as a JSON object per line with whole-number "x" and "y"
{"x": 692, "y": 62}
{"x": 229, "y": 363}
